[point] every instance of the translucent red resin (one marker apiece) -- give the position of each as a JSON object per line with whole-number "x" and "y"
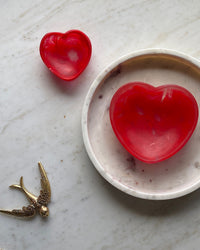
{"x": 66, "y": 54}
{"x": 153, "y": 123}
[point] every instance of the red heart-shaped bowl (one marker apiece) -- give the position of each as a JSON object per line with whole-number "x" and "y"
{"x": 66, "y": 54}
{"x": 153, "y": 123}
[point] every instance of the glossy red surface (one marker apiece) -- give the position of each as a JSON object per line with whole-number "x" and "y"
{"x": 66, "y": 55}
{"x": 153, "y": 123}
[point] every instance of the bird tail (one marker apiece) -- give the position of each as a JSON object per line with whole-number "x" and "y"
{"x": 19, "y": 186}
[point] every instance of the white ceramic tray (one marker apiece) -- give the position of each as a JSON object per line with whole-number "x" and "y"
{"x": 169, "y": 179}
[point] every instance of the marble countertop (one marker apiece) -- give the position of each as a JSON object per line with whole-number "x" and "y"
{"x": 40, "y": 120}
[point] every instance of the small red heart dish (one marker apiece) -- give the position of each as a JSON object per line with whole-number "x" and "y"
{"x": 66, "y": 54}
{"x": 153, "y": 123}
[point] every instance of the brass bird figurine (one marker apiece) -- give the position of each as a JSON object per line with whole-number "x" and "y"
{"x": 37, "y": 204}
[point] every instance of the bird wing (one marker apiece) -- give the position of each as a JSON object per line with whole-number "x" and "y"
{"x": 25, "y": 212}
{"x": 45, "y": 194}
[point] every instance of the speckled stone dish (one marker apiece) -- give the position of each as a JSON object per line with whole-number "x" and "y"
{"x": 168, "y": 179}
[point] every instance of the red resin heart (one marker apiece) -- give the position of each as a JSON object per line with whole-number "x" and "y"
{"x": 153, "y": 123}
{"x": 66, "y": 55}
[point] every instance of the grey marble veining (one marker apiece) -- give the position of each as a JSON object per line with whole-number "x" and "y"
{"x": 40, "y": 120}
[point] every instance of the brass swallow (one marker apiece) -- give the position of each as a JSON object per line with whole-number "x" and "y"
{"x": 37, "y": 204}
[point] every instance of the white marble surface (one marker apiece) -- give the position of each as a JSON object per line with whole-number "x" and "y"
{"x": 40, "y": 120}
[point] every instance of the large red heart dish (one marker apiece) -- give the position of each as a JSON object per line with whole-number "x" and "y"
{"x": 66, "y": 54}
{"x": 153, "y": 123}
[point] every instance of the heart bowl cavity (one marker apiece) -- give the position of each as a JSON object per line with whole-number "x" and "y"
{"x": 168, "y": 179}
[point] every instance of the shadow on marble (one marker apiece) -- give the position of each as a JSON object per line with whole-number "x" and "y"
{"x": 153, "y": 207}
{"x": 66, "y": 87}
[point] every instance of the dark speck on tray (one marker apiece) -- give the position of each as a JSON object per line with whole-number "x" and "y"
{"x": 132, "y": 160}
{"x": 197, "y": 164}
{"x": 116, "y": 71}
